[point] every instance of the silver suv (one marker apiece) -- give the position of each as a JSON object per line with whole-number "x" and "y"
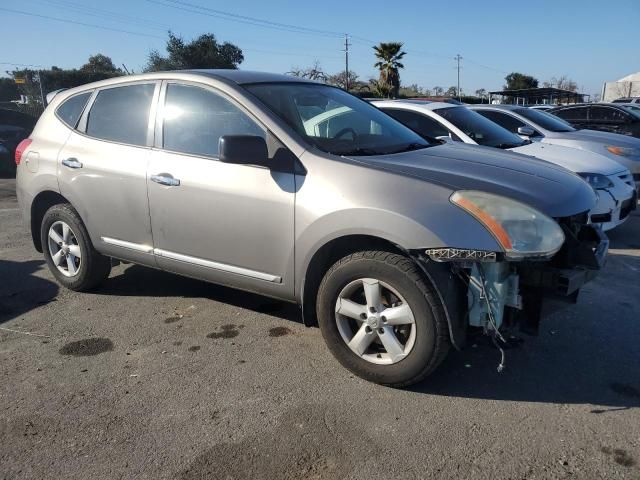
{"x": 394, "y": 245}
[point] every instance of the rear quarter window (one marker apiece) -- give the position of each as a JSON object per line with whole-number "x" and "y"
{"x": 71, "y": 109}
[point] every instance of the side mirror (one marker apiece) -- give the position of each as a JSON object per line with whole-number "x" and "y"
{"x": 526, "y": 131}
{"x": 243, "y": 150}
{"x": 445, "y": 139}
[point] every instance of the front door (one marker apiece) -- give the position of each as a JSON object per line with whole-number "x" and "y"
{"x": 227, "y": 223}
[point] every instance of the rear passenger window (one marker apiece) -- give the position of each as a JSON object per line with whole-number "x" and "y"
{"x": 194, "y": 119}
{"x": 121, "y": 114}
{"x": 574, "y": 114}
{"x": 607, "y": 114}
{"x": 505, "y": 121}
{"x": 71, "y": 109}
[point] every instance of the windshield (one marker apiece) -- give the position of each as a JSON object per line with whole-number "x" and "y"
{"x": 335, "y": 121}
{"x": 479, "y": 129}
{"x": 545, "y": 120}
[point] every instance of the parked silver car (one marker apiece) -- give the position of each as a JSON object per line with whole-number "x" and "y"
{"x": 614, "y": 184}
{"x": 394, "y": 245}
{"x": 541, "y": 126}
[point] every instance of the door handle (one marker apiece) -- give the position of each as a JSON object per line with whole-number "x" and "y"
{"x": 165, "y": 179}
{"x": 72, "y": 163}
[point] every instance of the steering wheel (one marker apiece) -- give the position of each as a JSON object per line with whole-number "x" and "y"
{"x": 344, "y": 131}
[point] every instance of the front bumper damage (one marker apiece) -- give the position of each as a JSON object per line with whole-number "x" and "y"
{"x": 505, "y": 295}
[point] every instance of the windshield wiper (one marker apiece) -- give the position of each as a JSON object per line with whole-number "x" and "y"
{"x": 505, "y": 146}
{"x": 411, "y": 146}
{"x": 360, "y": 151}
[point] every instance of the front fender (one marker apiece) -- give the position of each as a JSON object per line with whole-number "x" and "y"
{"x": 453, "y": 228}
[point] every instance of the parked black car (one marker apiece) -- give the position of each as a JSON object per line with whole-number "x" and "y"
{"x": 14, "y": 127}
{"x": 607, "y": 117}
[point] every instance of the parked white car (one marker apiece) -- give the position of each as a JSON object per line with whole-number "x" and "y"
{"x": 613, "y": 182}
{"x": 544, "y": 127}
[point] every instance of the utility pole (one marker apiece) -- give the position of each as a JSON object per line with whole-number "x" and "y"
{"x": 346, "y": 60}
{"x": 41, "y": 89}
{"x": 457, "y": 58}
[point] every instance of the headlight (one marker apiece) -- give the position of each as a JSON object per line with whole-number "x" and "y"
{"x": 624, "y": 151}
{"x": 521, "y": 230}
{"x": 596, "y": 180}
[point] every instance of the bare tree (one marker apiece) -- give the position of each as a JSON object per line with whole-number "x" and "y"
{"x": 437, "y": 91}
{"x": 314, "y": 72}
{"x": 563, "y": 83}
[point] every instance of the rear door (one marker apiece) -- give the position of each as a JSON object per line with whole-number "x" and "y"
{"x": 227, "y": 223}
{"x": 102, "y": 169}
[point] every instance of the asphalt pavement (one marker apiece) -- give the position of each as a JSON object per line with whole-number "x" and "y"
{"x": 158, "y": 376}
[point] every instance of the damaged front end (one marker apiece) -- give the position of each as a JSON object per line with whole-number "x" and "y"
{"x": 505, "y": 295}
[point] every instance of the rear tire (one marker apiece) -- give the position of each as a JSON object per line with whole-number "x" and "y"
{"x": 398, "y": 343}
{"x": 69, "y": 252}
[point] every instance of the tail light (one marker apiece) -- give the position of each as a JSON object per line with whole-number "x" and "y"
{"x": 22, "y": 146}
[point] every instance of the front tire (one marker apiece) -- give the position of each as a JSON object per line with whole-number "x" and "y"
{"x": 69, "y": 252}
{"x": 382, "y": 319}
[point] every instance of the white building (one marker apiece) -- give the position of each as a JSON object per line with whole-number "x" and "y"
{"x": 628, "y": 86}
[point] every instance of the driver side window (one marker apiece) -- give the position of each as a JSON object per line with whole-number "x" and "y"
{"x": 194, "y": 119}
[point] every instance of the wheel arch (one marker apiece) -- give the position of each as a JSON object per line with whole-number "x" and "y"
{"x": 440, "y": 275}
{"x": 42, "y": 202}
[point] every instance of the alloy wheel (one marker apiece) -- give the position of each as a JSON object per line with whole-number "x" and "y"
{"x": 64, "y": 249}
{"x": 375, "y": 321}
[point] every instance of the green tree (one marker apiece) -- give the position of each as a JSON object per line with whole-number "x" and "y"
{"x": 203, "y": 52}
{"x": 389, "y": 56}
{"x": 518, "y": 81}
{"x": 8, "y": 90}
{"x": 99, "y": 63}
{"x": 340, "y": 80}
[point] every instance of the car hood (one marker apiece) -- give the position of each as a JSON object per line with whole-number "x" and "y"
{"x": 543, "y": 185}
{"x": 572, "y": 159}
{"x": 607, "y": 138}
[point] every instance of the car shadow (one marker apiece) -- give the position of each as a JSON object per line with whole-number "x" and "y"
{"x": 21, "y": 291}
{"x": 142, "y": 281}
{"x": 585, "y": 354}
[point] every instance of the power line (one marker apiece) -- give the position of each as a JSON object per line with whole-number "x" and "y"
{"x": 105, "y": 14}
{"x": 20, "y": 12}
{"x": 210, "y": 12}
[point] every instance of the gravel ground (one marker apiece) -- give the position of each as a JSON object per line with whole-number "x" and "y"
{"x": 158, "y": 376}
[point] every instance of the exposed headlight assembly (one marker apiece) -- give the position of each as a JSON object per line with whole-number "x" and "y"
{"x": 522, "y": 231}
{"x": 596, "y": 180}
{"x": 624, "y": 151}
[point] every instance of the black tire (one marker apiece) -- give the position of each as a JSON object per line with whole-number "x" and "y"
{"x": 432, "y": 335}
{"x": 94, "y": 268}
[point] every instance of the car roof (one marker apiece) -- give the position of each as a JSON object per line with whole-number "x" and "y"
{"x": 414, "y": 104}
{"x": 246, "y": 76}
{"x": 497, "y": 106}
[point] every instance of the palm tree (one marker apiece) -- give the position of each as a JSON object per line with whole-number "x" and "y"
{"x": 389, "y": 56}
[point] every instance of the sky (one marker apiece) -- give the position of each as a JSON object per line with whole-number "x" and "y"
{"x": 589, "y": 41}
